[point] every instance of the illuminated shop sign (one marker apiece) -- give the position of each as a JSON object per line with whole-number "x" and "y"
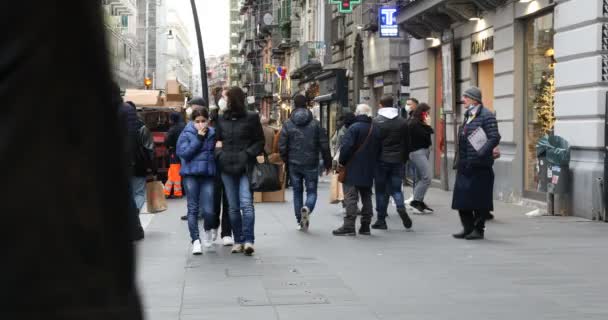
{"x": 387, "y": 20}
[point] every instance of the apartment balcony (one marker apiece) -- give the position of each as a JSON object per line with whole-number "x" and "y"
{"x": 121, "y": 7}
{"x": 312, "y": 54}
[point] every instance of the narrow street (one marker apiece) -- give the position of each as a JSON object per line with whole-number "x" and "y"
{"x": 527, "y": 268}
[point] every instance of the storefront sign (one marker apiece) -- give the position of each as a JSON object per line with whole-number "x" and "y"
{"x": 387, "y": 20}
{"x": 482, "y": 45}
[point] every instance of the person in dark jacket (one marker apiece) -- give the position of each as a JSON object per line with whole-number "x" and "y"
{"x": 390, "y": 169}
{"x": 240, "y": 139}
{"x": 300, "y": 142}
{"x": 195, "y": 148}
{"x": 142, "y": 163}
{"x": 359, "y": 152}
{"x": 420, "y": 133}
{"x": 174, "y": 180}
{"x": 473, "y": 189}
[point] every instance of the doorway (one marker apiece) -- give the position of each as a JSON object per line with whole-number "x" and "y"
{"x": 485, "y": 80}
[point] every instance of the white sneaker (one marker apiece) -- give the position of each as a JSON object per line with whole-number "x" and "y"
{"x": 299, "y": 227}
{"x": 196, "y": 247}
{"x": 213, "y": 235}
{"x": 207, "y": 242}
{"x": 305, "y": 220}
{"x": 228, "y": 241}
{"x": 237, "y": 248}
{"x": 249, "y": 250}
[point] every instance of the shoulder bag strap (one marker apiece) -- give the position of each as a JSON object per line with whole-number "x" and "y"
{"x": 369, "y": 133}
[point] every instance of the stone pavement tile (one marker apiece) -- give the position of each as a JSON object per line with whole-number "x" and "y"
{"x": 325, "y": 312}
{"x": 233, "y": 313}
{"x": 161, "y": 313}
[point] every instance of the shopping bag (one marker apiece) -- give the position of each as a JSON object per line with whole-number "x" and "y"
{"x": 336, "y": 193}
{"x": 155, "y": 197}
{"x": 264, "y": 177}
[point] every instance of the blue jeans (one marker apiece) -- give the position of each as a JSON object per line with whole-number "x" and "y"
{"x": 138, "y": 190}
{"x": 389, "y": 177}
{"x": 240, "y": 198}
{"x": 199, "y": 198}
{"x": 303, "y": 177}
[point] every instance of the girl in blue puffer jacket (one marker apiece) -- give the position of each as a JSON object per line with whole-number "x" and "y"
{"x": 195, "y": 148}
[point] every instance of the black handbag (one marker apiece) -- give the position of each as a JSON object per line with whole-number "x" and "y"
{"x": 264, "y": 177}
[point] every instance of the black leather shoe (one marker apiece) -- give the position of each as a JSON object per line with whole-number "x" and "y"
{"x": 380, "y": 225}
{"x": 344, "y": 232}
{"x": 462, "y": 234}
{"x": 184, "y": 218}
{"x": 407, "y": 222}
{"x": 475, "y": 235}
{"x": 490, "y": 217}
{"x": 364, "y": 230}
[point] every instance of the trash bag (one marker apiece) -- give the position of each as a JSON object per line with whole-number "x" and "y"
{"x": 555, "y": 148}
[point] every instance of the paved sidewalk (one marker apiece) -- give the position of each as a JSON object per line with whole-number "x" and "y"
{"x": 528, "y": 268}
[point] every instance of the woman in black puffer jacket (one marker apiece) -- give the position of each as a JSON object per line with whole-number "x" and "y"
{"x": 240, "y": 139}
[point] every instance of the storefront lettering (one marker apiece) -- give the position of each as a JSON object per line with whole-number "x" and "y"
{"x": 483, "y": 45}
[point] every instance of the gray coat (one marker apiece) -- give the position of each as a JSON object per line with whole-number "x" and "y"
{"x": 473, "y": 189}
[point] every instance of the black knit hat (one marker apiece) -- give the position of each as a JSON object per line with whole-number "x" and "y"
{"x": 199, "y": 101}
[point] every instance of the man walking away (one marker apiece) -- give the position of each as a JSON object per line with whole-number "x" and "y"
{"x": 174, "y": 180}
{"x": 359, "y": 151}
{"x": 300, "y": 142}
{"x": 390, "y": 169}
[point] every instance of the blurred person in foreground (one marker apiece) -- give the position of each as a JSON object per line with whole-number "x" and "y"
{"x": 75, "y": 260}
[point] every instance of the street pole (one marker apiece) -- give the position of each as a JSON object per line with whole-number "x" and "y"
{"x": 147, "y": 36}
{"x": 201, "y": 53}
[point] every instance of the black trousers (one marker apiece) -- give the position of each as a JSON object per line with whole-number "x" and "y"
{"x": 220, "y": 205}
{"x": 474, "y": 219}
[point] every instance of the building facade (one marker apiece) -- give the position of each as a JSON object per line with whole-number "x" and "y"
{"x": 125, "y": 54}
{"x": 541, "y": 67}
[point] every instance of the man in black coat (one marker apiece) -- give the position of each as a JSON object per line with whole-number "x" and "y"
{"x": 73, "y": 257}
{"x": 300, "y": 142}
{"x": 473, "y": 189}
{"x": 390, "y": 169}
{"x": 359, "y": 151}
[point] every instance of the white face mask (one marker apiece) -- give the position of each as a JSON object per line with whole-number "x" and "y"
{"x": 222, "y": 105}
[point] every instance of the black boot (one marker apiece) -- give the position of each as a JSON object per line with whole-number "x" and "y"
{"x": 475, "y": 235}
{"x": 184, "y": 218}
{"x": 407, "y": 222}
{"x": 344, "y": 231}
{"x": 462, "y": 234}
{"x": 380, "y": 224}
{"x": 468, "y": 221}
{"x": 364, "y": 229}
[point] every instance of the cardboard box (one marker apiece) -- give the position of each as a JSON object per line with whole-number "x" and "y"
{"x": 276, "y": 196}
{"x": 257, "y": 197}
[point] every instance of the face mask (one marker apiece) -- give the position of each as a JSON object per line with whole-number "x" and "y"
{"x": 222, "y": 104}
{"x": 408, "y": 108}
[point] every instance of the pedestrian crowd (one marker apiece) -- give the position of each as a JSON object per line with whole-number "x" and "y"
{"x": 212, "y": 157}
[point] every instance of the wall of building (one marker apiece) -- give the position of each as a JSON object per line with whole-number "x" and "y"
{"x": 580, "y": 99}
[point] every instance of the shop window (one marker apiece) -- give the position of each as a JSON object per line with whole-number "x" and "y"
{"x": 540, "y": 90}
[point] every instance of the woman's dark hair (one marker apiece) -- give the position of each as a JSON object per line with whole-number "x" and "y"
{"x": 199, "y": 112}
{"x": 421, "y": 108}
{"x": 348, "y": 119}
{"x": 236, "y": 101}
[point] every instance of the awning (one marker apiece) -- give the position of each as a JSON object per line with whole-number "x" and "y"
{"x": 422, "y": 18}
{"x": 325, "y": 97}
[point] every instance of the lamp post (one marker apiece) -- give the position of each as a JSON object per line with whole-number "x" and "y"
{"x": 201, "y": 53}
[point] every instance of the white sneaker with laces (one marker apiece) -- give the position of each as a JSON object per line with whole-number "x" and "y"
{"x": 213, "y": 235}
{"x": 237, "y": 248}
{"x": 249, "y": 250}
{"x": 196, "y": 247}
{"x": 305, "y": 220}
{"x": 299, "y": 227}
{"x": 207, "y": 242}
{"x": 228, "y": 241}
